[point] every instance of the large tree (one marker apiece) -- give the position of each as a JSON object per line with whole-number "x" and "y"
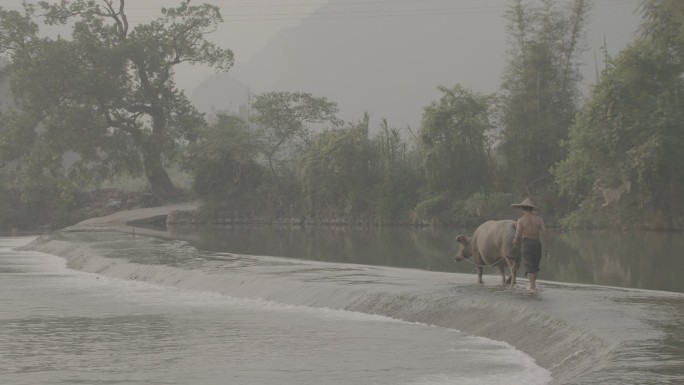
{"x": 103, "y": 102}
{"x": 540, "y": 88}
{"x": 284, "y": 119}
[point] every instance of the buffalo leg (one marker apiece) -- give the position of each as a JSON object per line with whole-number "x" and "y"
{"x": 477, "y": 258}
{"x": 514, "y": 270}
{"x": 513, "y": 267}
{"x": 502, "y": 269}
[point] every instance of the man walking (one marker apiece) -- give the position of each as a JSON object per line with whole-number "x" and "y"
{"x": 529, "y": 234}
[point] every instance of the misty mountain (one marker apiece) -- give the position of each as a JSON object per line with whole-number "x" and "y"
{"x": 219, "y": 92}
{"x": 388, "y": 58}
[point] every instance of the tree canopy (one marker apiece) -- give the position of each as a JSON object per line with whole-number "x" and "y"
{"x": 338, "y": 171}
{"x": 104, "y": 102}
{"x": 631, "y": 130}
{"x": 455, "y": 141}
{"x": 540, "y": 88}
{"x": 225, "y": 165}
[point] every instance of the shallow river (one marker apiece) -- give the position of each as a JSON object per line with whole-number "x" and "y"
{"x": 325, "y": 306}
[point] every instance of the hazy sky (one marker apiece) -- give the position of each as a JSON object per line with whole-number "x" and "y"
{"x": 249, "y": 24}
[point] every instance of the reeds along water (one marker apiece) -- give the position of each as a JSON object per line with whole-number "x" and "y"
{"x": 583, "y": 334}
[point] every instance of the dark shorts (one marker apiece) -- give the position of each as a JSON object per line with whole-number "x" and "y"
{"x": 531, "y": 251}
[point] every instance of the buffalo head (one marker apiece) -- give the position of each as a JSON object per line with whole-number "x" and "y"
{"x": 464, "y": 250}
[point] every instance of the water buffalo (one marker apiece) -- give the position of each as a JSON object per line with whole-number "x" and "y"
{"x": 492, "y": 244}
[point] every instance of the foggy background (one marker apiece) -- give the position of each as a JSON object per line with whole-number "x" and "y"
{"x": 384, "y": 57}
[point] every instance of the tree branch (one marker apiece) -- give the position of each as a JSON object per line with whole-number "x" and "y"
{"x": 122, "y": 22}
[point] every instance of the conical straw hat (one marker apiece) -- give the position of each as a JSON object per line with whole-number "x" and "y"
{"x": 526, "y": 203}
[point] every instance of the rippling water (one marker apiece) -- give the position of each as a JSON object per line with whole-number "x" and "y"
{"x": 63, "y": 326}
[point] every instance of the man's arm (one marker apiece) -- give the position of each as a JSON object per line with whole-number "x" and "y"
{"x": 518, "y": 233}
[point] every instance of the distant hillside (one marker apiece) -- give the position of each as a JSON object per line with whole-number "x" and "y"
{"x": 219, "y": 92}
{"x": 388, "y": 58}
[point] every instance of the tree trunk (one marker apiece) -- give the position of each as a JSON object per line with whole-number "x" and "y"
{"x": 160, "y": 183}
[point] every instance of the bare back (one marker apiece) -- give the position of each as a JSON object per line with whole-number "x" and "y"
{"x": 530, "y": 226}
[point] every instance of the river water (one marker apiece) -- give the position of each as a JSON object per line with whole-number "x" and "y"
{"x": 637, "y": 259}
{"x": 62, "y": 326}
{"x": 326, "y": 306}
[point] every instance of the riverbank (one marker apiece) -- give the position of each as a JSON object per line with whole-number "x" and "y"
{"x": 197, "y": 217}
{"x": 571, "y": 330}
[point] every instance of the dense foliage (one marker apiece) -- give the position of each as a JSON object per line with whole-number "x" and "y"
{"x": 102, "y": 103}
{"x": 540, "y": 90}
{"x": 225, "y": 165}
{"x": 112, "y": 108}
{"x": 339, "y": 172}
{"x": 631, "y": 131}
{"x": 454, "y": 143}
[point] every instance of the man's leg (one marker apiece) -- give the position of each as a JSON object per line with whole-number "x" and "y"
{"x": 533, "y": 280}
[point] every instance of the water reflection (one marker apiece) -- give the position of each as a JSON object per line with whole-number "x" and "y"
{"x": 649, "y": 260}
{"x": 428, "y": 249}
{"x": 646, "y": 260}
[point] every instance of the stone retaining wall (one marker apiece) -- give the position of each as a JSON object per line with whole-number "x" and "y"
{"x": 194, "y": 218}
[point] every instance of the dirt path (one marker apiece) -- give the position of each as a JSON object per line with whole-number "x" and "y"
{"x": 120, "y": 220}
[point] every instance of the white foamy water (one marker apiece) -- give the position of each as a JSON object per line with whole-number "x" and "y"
{"x": 60, "y": 326}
